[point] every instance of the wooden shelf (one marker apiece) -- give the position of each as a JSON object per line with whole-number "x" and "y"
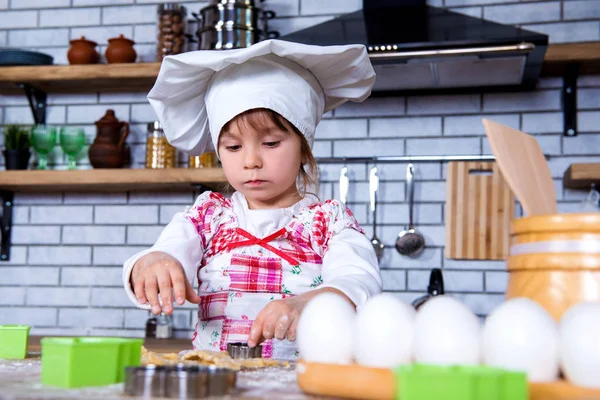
{"x": 141, "y": 76}
{"x": 559, "y": 55}
{"x": 80, "y": 78}
{"x": 581, "y": 176}
{"x": 112, "y": 180}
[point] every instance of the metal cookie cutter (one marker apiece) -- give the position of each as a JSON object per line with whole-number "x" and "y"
{"x": 179, "y": 381}
{"x": 241, "y": 350}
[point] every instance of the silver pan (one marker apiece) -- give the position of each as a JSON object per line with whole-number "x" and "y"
{"x": 230, "y": 37}
{"x": 236, "y": 14}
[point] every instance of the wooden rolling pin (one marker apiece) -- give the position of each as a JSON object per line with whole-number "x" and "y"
{"x": 357, "y": 382}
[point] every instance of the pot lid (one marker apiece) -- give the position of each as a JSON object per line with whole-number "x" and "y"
{"x": 83, "y": 40}
{"x": 121, "y": 38}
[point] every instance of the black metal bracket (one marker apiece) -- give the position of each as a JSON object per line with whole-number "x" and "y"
{"x": 37, "y": 102}
{"x": 6, "y": 224}
{"x": 569, "y": 99}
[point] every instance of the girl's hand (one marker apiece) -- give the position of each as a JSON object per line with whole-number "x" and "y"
{"x": 159, "y": 272}
{"x": 279, "y": 319}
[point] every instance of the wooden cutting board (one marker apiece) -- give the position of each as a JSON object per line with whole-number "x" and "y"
{"x": 479, "y": 209}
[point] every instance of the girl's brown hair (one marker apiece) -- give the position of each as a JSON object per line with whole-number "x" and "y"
{"x": 263, "y": 118}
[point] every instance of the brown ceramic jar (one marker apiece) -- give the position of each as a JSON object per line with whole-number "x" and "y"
{"x": 120, "y": 50}
{"x": 83, "y": 51}
{"x": 109, "y": 149}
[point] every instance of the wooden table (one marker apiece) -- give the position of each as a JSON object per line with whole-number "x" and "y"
{"x": 20, "y": 379}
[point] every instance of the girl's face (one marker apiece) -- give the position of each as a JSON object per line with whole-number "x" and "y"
{"x": 261, "y": 161}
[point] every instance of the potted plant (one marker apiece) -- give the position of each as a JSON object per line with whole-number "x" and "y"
{"x": 17, "y": 145}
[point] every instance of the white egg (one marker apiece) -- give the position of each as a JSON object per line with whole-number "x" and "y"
{"x": 326, "y": 330}
{"x": 446, "y": 333}
{"x": 579, "y": 349}
{"x": 384, "y": 332}
{"x": 521, "y": 335}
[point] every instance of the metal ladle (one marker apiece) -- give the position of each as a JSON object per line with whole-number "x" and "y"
{"x": 409, "y": 241}
{"x": 373, "y": 188}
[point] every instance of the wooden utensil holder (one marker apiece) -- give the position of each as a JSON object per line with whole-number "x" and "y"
{"x": 555, "y": 260}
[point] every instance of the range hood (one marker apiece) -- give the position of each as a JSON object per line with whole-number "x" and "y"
{"x": 415, "y": 47}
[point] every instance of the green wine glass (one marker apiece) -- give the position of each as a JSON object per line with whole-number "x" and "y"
{"x": 72, "y": 141}
{"x": 43, "y": 140}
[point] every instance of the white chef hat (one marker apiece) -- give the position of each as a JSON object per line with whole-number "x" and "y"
{"x": 197, "y": 93}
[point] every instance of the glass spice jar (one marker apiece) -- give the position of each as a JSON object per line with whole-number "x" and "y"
{"x": 159, "y": 153}
{"x": 164, "y": 326}
{"x": 205, "y": 160}
{"x": 171, "y": 30}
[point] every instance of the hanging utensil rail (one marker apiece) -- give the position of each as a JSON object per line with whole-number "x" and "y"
{"x": 396, "y": 159}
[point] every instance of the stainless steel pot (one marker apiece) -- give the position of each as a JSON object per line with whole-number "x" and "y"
{"x": 231, "y": 37}
{"x": 145, "y": 381}
{"x": 243, "y": 2}
{"x": 179, "y": 381}
{"x": 199, "y": 381}
{"x": 232, "y": 13}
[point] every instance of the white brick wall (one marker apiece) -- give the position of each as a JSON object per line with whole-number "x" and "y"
{"x": 64, "y": 276}
{"x": 90, "y": 276}
{"x": 70, "y": 17}
{"x": 39, "y": 317}
{"x": 37, "y": 37}
{"x": 523, "y": 13}
{"x": 568, "y": 32}
{"x": 90, "y": 318}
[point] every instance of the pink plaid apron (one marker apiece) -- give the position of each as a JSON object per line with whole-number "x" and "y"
{"x": 241, "y": 274}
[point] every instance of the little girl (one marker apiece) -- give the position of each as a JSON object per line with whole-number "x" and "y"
{"x": 262, "y": 254}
